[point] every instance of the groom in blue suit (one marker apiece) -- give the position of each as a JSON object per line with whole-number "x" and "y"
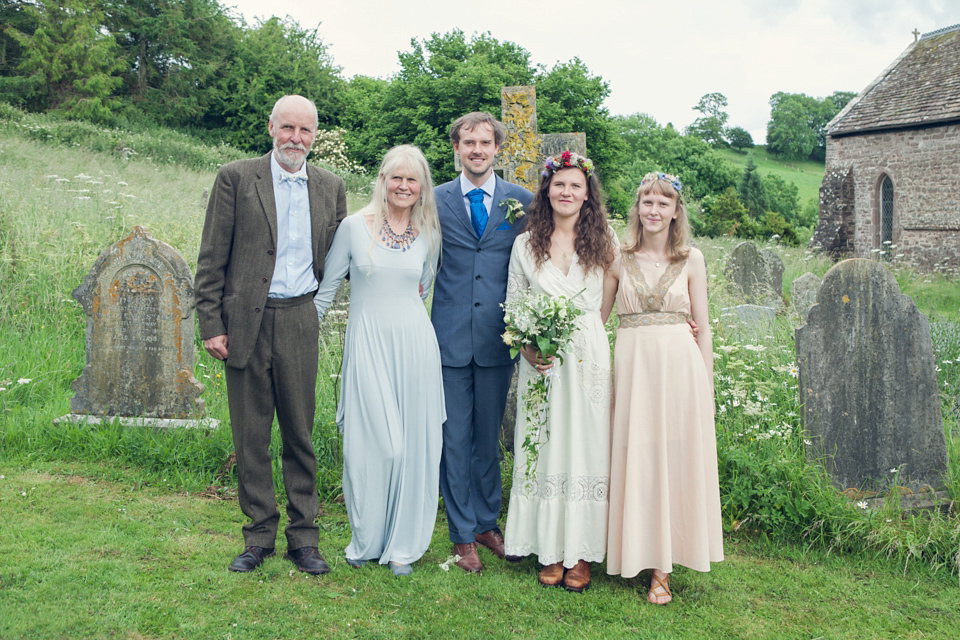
{"x": 470, "y": 286}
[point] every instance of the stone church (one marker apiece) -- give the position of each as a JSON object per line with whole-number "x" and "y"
{"x": 892, "y": 184}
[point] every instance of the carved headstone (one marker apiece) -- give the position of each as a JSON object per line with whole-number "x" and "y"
{"x": 868, "y": 382}
{"x": 803, "y": 293}
{"x": 756, "y": 275}
{"x": 138, "y": 300}
{"x": 524, "y": 150}
{"x": 748, "y": 320}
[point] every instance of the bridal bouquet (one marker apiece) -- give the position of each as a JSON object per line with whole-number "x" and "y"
{"x": 545, "y": 323}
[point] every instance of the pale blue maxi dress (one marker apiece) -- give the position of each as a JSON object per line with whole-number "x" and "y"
{"x": 391, "y": 408}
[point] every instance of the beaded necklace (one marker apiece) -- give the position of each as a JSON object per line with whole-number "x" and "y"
{"x": 395, "y": 241}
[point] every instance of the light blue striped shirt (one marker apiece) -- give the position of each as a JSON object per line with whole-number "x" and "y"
{"x": 293, "y": 273}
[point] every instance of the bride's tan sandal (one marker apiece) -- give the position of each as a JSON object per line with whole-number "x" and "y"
{"x": 659, "y": 592}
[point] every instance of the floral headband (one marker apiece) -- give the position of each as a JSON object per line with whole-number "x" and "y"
{"x": 653, "y": 176}
{"x": 567, "y": 160}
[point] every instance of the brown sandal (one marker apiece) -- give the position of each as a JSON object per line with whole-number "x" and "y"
{"x": 663, "y": 585}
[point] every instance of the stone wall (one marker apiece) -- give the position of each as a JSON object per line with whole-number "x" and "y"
{"x": 835, "y": 230}
{"x": 923, "y": 166}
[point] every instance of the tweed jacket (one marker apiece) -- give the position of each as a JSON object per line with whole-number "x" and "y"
{"x": 239, "y": 244}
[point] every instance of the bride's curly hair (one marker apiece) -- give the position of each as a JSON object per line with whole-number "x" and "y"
{"x": 594, "y": 243}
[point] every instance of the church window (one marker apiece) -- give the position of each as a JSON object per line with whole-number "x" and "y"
{"x": 886, "y": 217}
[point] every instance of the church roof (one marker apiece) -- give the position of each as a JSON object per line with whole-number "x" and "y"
{"x": 921, "y": 87}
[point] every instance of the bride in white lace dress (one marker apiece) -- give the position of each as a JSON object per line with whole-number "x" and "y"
{"x": 559, "y": 512}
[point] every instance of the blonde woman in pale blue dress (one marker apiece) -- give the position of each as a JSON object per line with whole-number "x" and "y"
{"x": 391, "y": 408}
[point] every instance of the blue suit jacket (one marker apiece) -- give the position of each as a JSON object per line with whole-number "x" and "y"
{"x": 472, "y": 280}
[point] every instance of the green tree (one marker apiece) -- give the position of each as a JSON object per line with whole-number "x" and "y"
{"x": 739, "y": 138}
{"x": 649, "y": 147}
{"x": 791, "y": 131}
{"x": 275, "y": 58}
{"x": 797, "y": 126}
{"x": 365, "y": 120}
{"x": 751, "y": 190}
{"x": 14, "y": 17}
{"x": 176, "y": 52}
{"x": 702, "y": 170}
{"x": 442, "y": 78}
{"x": 783, "y": 198}
{"x": 570, "y": 98}
{"x": 68, "y": 63}
{"x": 722, "y": 214}
{"x": 711, "y": 125}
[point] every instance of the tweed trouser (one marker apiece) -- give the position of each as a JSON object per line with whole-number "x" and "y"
{"x": 280, "y": 378}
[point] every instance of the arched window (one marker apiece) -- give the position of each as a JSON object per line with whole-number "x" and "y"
{"x": 886, "y": 217}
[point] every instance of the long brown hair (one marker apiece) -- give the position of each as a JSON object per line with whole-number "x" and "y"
{"x": 594, "y": 244}
{"x": 678, "y": 236}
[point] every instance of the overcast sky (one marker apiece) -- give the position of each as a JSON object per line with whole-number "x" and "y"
{"x": 659, "y": 57}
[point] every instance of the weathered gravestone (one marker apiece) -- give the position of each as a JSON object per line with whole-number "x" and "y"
{"x": 756, "y": 275}
{"x": 868, "y": 382}
{"x": 138, "y": 300}
{"x": 803, "y": 293}
{"x": 524, "y": 150}
{"x": 747, "y": 320}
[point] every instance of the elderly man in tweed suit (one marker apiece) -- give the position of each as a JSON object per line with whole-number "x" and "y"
{"x": 269, "y": 223}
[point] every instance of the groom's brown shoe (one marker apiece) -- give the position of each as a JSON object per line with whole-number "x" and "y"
{"x": 469, "y": 560}
{"x": 251, "y": 558}
{"x": 492, "y": 540}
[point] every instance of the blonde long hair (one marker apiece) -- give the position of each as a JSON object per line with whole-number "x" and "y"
{"x": 423, "y": 217}
{"x": 678, "y": 237}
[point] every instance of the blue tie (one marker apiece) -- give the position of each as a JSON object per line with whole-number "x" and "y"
{"x": 478, "y": 212}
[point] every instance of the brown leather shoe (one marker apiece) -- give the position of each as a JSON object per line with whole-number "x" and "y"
{"x": 469, "y": 560}
{"x": 551, "y": 575}
{"x": 492, "y": 540}
{"x": 578, "y": 578}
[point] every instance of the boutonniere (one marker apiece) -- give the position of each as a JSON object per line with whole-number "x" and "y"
{"x": 514, "y": 209}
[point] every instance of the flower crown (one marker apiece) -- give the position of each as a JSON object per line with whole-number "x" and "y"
{"x": 567, "y": 160}
{"x": 653, "y": 176}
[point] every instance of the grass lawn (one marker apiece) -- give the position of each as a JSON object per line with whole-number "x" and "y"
{"x": 805, "y": 174}
{"x": 95, "y": 553}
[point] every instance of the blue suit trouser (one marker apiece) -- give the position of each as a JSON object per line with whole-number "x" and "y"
{"x": 470, "y": 464}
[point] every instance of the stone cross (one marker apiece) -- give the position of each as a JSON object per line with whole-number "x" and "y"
{"x": 524, "y": 150}
{"x": 138, "y": 300}
{"x": 916, "y": 34}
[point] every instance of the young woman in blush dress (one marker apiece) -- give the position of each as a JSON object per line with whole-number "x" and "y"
{"x": 664, "y": 488}
{"x": 559, "y": 511}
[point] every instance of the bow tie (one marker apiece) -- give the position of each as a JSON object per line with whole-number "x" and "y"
{"x": 297, "y": 179}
